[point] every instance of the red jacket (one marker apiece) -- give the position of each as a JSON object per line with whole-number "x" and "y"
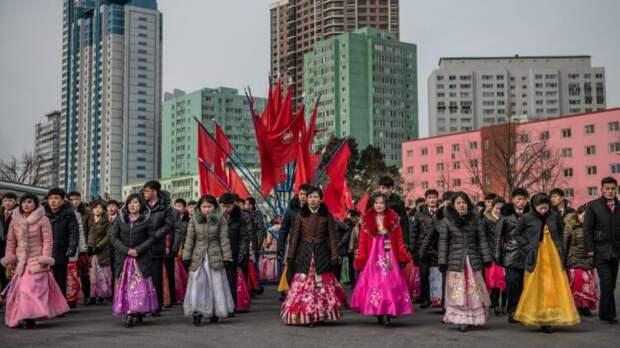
{"x": 391, "y": 222}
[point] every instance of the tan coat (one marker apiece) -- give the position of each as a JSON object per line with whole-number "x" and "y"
{"x": 207, "y": 236}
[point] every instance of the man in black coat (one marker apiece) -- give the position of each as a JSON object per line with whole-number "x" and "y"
{"x": 65, "y": 233}
{"x": 422, "y": 228}
{"x": 506, "y": 247}
{"x": 239, "y": 229}
{"x": 289, "y": 220}
{"x": 163, "y": 219}
{"x": 394, "y": 202}
{"x": 112, "y": 209}
{"x": 559, "y": 203}
{"x": 602, "y": 238}
{"x": 9, "y": 202}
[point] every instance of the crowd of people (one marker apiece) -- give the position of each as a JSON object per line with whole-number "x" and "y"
{"x": 534, "y": 259}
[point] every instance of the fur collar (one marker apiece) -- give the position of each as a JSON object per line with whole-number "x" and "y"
{"x": 456, "y": 218}
{"x": 390, "y": 221}
{"x": 33, "y": 218}
{"x": 123, "y": 215}
{"x": 305, "y": 210}
{"x": 489, "y": 216}
{"x": 211, "y": 218}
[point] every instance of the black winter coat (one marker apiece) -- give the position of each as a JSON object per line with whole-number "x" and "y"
{"x": 460, "y": 236}
{"x": 180, "y": 233}
{"x": 506, "y": 247}
{"x": 65, "y": 231}
{"x": 162, "y": 220}
{"x": 239, "y": 228}
{"x": 423, "y": 228}
{"x": 531, "y": 227}
{"x": 488, "y": 224}
{"x": 395, "y": 203}
{"x": 287, "y": 224}
{"x": 138, "y": 235}
{"x": 4, "y": 230}
{"x": 602, "y": 229}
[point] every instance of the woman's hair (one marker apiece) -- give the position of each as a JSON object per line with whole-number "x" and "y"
{"x": 138, "y": 197}
{"x": 96, "y": 203}
{"x": 316, "y": 189}
{"x": 498, "y": 200}
{"x": 540, "y": 199}
{"x": 30, "y": 196}
{"x": 378, "y": 195}
{"x": 464, "y": 196}
{"x": 208, "y": 199}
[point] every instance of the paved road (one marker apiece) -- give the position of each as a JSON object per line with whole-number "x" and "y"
{"x": 94, "y": 326}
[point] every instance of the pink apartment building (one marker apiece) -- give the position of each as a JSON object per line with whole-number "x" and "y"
{"x": 573, "y": 152}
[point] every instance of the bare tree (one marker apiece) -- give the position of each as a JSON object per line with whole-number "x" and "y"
{"x": 26, "y": 170}
{"x": 509, "y": 159}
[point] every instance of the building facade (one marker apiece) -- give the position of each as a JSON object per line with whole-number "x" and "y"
{"x": 47, "y": 148}
{"x": 367, "y": 83}
{"x": 469, "y": 93}
{"x": 179, "y": 129}
{"x": 579, "y": 149}
{"x": 111, "y": 95}
{"x": 296, "y": 25}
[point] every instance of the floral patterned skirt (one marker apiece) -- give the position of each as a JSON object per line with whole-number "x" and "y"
{"x": 584, "y": 286}
{"x": 133, "y": 293}
{"x": 467, "y": 299}
{"x": 436, "y": 285}
{"x": 74, "y": 285}
{"x": 313, "y": 298}
{"x": 100, "y": 280}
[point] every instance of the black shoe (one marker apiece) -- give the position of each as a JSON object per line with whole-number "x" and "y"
{"x": 511, "y": 319}
{"x": 546, "y": 329}
{"x": 463, "y": 328}
{"x": 425, "y": 304}
{"x": 214, "y": 320}
{"x": 26, "y": 323}
{"x": 498, "y": 311}
{"x": 129, "y": 321}
{"x": 139, "y": 319}
{"x": 387, "y": 321}
{"x": 72, "y": 305}
{"x": 380, "y": 320}
{"x": 611, "y": 321}
{"x": 156, "y": 314}
{"x": 197, "y": 319}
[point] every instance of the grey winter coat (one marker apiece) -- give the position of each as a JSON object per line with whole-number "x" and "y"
{"x": 207, "y": 236}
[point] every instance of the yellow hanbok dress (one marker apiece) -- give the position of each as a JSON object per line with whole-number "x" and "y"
{"x": 547, "y": 299}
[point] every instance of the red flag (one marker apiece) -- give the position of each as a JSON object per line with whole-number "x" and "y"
{"x": 363, "y": 202}
{"x": 347, "y": 198}
{"x": 306, "y": 161}
{"x": 207, "y": 148}
{"x": 209, "y": 183}
{"x": 336, "y": 171}
{"x": 236, "y": 184}
{"x": 222, "y": 139}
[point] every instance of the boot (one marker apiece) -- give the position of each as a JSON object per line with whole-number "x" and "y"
{"x": 387, "y": 321}
{"x": 196, "y": 319}
{"x": 546, "y": 329}
{"x": 129, "y": 322}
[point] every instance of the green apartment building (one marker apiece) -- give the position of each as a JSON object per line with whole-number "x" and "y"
{"x": 226, "y": 106}
{"x": 367, "y": 81}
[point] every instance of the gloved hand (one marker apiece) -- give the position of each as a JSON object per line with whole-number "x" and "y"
{"x": 443, "y": 268}
{"x": 186, "y": 264}
{"x": 228, "y": 263}
{"x": 488, "y": 264}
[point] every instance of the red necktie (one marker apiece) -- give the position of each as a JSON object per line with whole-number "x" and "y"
{"x": 611, "y": 206}
{"x": 7, "y": 214}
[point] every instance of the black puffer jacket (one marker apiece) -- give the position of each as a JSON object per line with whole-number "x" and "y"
{"x": 460, "y": 236}
{"x": 65, "y": 230}
{"x": 530, "y": 228}
{"x": 506, "y": 250}
{"x": 488, "y": 224}
{"x": 422, "y": 227}
{"x": 180, "y": 232}
{"x": 162, "y": 220}
{"x": 239, "y": 228}
{"x": 138, "y": 235}
{"x": 258, "y": 228}
{"x": 287, "y": 224}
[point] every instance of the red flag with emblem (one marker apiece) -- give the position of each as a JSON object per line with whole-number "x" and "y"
{"x": 236, "y": 184}
{"x": 363, "y": 202}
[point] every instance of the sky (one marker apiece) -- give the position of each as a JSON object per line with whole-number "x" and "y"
{"x": 209, "y": 43}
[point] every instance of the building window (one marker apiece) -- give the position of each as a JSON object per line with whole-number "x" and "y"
{"x": 425, "y": 185}
{"x": 424, "y": 151}
{"x": 456, "y": 165}
{"x": 566, "y": 133}
{"x": 591, "y": 150}
{"x": 456, "y": 182}
{"x": 569, "y": 192}
{"x": 439, "y": 149}
{"x": 614, "y": 126}
{"x": 440, "y": 183}
{"x": 409, "y": 153}
{"x": 473, "y": 145}
{"x": 615, "y": 168}
{"x": 614, "y": 148}
{"x": 456, "y": 148}
{"x": 524, "y": 138}
{"x": 409, "y": 170}
{"x": 591, "y": 170}
{"x": 473, "y": 163}
{"x": 589, "y": 129}
{"x": 568, "y": 172}
{"x": 424, "y": 168}
{"x": 567, "y": 152}
{"x": 439, "y": 167}
{"x": 592, "y": 191}
{"x": 544, "y": 135}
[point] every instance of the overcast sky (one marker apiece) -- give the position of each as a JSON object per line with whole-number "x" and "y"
{"x": 209, "y": 43}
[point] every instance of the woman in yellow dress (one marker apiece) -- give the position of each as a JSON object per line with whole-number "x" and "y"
{"x": 546, "y": 300}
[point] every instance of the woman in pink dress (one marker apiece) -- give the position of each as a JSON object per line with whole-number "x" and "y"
{"x": 267, "y": 264}
{"x": 33, "y": 293}
{"x": 381, "y": 290}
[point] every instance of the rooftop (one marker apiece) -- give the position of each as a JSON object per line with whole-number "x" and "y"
{"x": 516, "y": 56}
